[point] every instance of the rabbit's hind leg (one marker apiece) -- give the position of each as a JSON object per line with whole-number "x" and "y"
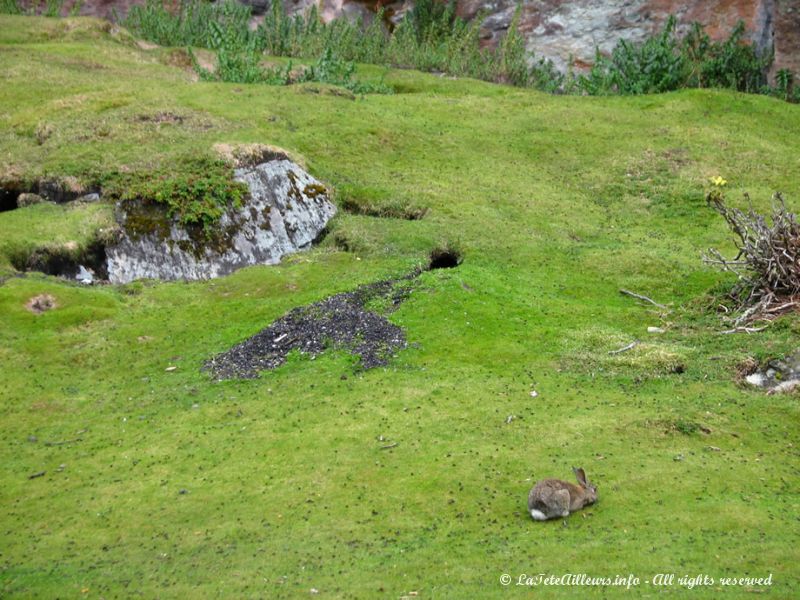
{"x": 560, "y": 502}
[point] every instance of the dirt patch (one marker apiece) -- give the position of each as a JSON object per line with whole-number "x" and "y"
{"x": 161, "y": 118}
{"x": 384, "y": 210}
{"x": 348, "y": 321}
{"x": 41, "y": 304}
{"x": 144, "y": 45}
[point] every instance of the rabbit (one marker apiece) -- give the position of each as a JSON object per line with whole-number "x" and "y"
{"x": 553, "y": 498}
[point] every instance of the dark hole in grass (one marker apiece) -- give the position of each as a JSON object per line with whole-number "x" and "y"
{"x": 444, "y": 258}
{"x": 62, "y": 261}
{"x": 8, "y": 199}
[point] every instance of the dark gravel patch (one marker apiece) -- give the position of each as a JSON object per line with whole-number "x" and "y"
{"x": 342, "y": 321}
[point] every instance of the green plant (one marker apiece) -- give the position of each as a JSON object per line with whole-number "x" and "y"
{"x": 512, "y": 57}
{"x": 731, "y": 63}
{"x": 10, "y": 7}
{"x": 332, "y": 70}
{"x": 665, "y": 63}
{"x": 192, "y": 24}
{"x": 784, "y": 88}
{"x": 53, "y": 8}
{"x": 195, "y": 191}
{"x": 652, "y": 67}
{"x": 75, "y": 9}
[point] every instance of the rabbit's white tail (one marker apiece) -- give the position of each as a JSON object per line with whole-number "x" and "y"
{"x": 538, "y": 515}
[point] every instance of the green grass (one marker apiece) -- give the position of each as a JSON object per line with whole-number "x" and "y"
{"x": 556, "y": 203}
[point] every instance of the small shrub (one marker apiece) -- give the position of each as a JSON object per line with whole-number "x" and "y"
{"x": 665, "y": 62}
{"x": 52, "y": 8}
{"x": 785, "y": 87}
{"x": 652, "y": 67}
{"x": 191, "y": 25}
{"x": 332, "y": 70}
{"x": 10, "y": 7}
{"x": 732, "y": 63}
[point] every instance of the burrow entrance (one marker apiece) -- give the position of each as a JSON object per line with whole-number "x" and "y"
{"x": 88, "y": 264}
{"x": 444, "y": 258}
{"x": 8, "y": 199}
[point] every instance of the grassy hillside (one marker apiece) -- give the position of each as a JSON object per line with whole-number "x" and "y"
{"x": 167, "y": 484}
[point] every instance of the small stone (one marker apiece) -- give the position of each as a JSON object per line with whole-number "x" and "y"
{"x": 677, "y": 457}
{"x": 712, "y": 448}
{"x": 655, "y": 330}
{"x": 171, "y": 369}
{"x": 85, "y": 276}
{"x": 89, "y": 198}
{"x": 534, "y": 393}
{"x": 26, "y": 199}
{"x": 183, "y": 491}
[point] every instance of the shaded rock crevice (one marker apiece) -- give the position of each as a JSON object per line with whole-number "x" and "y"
{"x": 87, "y": 264}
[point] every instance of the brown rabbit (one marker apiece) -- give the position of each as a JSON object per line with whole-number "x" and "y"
{"x": 553, "y": 498}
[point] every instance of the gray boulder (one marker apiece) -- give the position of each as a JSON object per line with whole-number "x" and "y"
{"x": 285, "y": 212}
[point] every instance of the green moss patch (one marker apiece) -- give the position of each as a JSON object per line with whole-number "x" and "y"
{"x": 194, "y": 192}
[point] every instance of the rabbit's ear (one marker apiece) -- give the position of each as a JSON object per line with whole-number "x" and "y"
{"x": 580, "y": 476}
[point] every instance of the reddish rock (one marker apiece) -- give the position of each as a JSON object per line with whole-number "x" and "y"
{"x": 562, "y": 30}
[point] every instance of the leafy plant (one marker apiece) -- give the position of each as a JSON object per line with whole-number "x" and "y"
{"x": 332, "y": 70}
{"x": 195, "y": 192}
{"x": 785, "y": 87}
{"x": 665, "y": 63}
{"x": 53, "y": 8}
{"x": 75, "y": 9}
{"x": 513, "y": 56}
{"x": 10, "y": 7}
{"x": 652, "y": 67}
{"x": 731, "y": 63}
{"x": 192, "y": 24}
{"x": 431, "y": 37}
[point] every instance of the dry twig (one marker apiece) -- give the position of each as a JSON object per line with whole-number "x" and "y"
{"x": 630, "y": 346}
{"x": 640, "y": 297}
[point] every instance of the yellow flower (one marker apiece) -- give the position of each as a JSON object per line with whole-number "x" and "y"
{"x": 718, "y": 181}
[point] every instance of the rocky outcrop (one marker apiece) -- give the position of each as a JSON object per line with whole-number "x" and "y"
{"x": 568, "y": 31}
{"x": 285, "y": 211}
{"x": 565, "y": 31}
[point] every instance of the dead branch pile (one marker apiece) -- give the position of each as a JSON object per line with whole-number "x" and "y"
{"x": 768, "y": 261}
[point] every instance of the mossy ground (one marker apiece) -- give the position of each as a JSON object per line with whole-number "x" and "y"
{"x": 183, "y": 487}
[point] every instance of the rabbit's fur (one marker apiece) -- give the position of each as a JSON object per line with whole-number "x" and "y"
{"x": 553, "y": 498}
